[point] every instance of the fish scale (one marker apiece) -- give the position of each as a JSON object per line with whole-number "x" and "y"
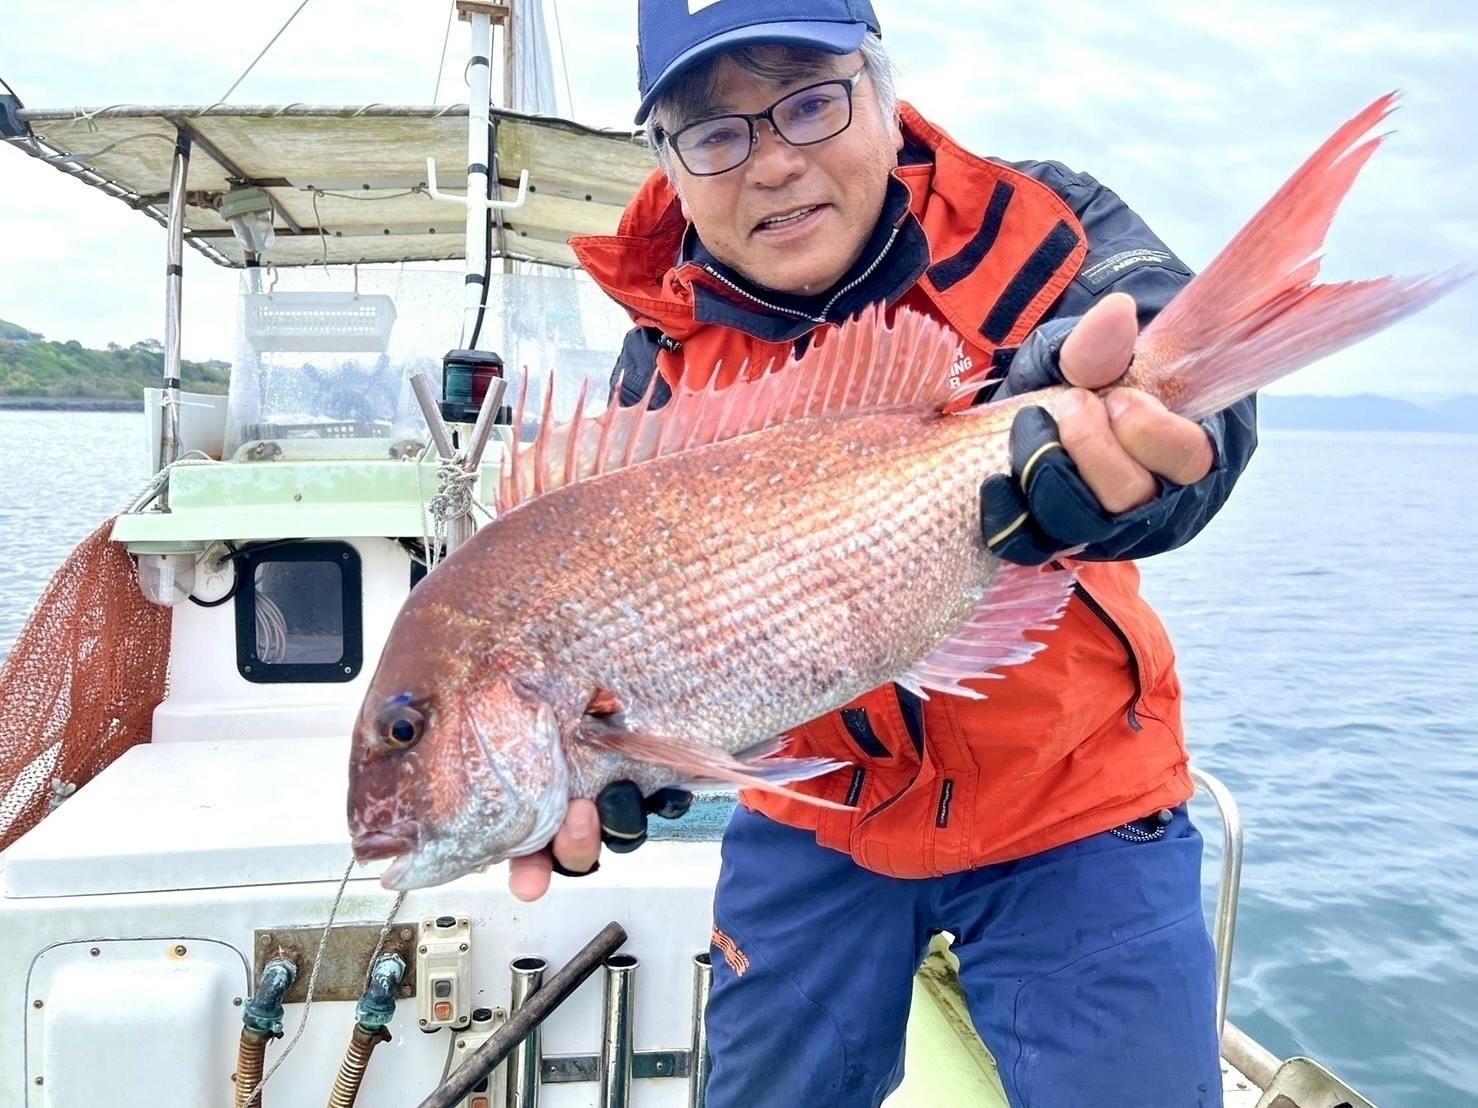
{"x": 733, "y": 650}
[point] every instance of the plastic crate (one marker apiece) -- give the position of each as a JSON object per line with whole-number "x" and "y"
{"x": 319, "y": 322}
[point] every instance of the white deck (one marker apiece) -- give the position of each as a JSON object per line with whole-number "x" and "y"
{"x": 197, "y": 815}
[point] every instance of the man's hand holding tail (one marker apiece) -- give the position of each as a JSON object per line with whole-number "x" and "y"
{"x": 1108, "y": 467}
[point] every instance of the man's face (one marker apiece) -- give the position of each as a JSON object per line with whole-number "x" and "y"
{"x": 837, "y": 186}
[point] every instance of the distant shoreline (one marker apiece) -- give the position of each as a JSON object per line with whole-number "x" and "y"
{"x": 70, "y": 404}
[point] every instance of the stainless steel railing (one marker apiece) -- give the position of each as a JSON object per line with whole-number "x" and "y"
{"x": 1228, "y": 886}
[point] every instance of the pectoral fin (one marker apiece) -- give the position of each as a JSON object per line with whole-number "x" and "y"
{"x": 1018, "y": 600}
{"x": 700, "y": 762}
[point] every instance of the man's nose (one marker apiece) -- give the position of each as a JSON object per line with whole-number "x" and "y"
{"x": 773, "y": 161}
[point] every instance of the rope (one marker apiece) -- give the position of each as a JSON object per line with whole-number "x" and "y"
{"x": 453, "y": 498}
{"x": 384, "y": 934}
{"x": 55, "y": 159}
{"x": 563, "y": 65}
{"x": 318, "y": 222}
{"x": 155, "y": 484}
{"x": 318, "y": 963}
{"x": 445, "y": 37}
{"x": 312, "y": 982}
{"x": 259, "y": 57}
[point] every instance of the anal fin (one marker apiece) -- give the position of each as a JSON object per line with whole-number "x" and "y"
{"x": 1018, "y": 599}
{"x": 700, "y": 762}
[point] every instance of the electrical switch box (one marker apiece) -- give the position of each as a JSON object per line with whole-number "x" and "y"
{"x": 444, "y": 973}
{"x": 484, "y": 1022}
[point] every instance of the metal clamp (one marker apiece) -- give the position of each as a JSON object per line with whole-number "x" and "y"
{"x": 1228, "y": 886}
{"x": 477, "y": 201}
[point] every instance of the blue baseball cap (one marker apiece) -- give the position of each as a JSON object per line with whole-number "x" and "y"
{"x": 673, "y": 35}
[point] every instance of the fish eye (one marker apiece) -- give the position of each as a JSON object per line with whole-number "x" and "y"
{"x": 401, "y": 726}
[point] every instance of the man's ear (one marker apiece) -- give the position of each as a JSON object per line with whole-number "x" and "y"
{"x": 897, "y": 127}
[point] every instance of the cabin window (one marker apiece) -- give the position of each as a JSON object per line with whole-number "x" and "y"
{"x": 298, "y": 613}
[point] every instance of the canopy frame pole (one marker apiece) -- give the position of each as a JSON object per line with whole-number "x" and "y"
{"x": 174, "y": 291}
{"x": 479, "y": 154}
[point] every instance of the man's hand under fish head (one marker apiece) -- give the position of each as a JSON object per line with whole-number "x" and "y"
{"x": 1112, "y": 452}
{"x": 617, "y": 818}
{"x": 576, "y": 844}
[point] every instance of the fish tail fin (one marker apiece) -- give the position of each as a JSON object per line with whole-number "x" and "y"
{"x": 1255, "y": 314}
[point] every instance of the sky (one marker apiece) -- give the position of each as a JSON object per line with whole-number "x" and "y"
{"x": 1192, "y": 112}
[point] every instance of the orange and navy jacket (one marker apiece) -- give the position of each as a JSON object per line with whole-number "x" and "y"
{"x": 1087, "y": 735}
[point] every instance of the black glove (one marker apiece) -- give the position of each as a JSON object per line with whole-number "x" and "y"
{"x": 623, "y": 817}
{"x": 1044, "y": 507}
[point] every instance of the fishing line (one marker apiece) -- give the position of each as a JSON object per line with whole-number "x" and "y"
{"x": 317, "y": 964}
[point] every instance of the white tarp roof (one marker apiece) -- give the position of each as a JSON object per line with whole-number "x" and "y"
{"x": 356, "y": 174}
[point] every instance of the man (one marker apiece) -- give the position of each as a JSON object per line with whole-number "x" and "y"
{"x": 1044, "y": 827}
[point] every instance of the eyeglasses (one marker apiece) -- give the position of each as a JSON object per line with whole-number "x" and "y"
{"x": 802, "y": 118}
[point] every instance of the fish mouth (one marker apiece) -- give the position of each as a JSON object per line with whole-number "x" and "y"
{"x": 370, "y": 846}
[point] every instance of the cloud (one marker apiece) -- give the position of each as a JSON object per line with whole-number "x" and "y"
{"x": 1194, "y": 113}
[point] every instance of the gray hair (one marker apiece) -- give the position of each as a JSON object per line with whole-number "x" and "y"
{"x": 691, "y": 96}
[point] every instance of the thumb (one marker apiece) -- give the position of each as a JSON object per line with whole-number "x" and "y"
{"x": 1097, "y": 353}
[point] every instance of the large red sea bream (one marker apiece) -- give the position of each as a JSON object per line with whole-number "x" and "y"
{"x": 664, "y": 594}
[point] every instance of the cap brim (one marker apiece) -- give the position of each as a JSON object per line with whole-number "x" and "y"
{"x": 834, "y": 38}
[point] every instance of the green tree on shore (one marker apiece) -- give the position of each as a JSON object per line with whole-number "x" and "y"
{"x": 31, "y": 366}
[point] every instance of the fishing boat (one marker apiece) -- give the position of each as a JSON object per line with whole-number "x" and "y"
{"x": 185, "y": 925}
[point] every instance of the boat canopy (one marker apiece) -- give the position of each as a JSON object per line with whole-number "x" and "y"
{"x": 347, "y": 184}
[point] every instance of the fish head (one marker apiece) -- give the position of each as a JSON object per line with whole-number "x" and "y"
{"x": 457, "y": 763}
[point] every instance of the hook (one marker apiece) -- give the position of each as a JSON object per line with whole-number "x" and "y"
{"x": 477, "y": 201}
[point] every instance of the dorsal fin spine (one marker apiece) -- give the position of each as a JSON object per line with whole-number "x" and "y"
{"x": 792, "y": 393}
{"x": 862, "y": 366}
{"x": 828, "y": 353}
{"x": 855, "y": 360}
{"x": 870, "y": 348}
{"x": 911, "y": 343}
{"x": 512, "y": 481}
{"x": 634, "y": 428}
{"x": 943, "y": 348}
{"x": 603, "y": 444}
{"x": 541, "y": 446}
{"x": 572, "y": 445}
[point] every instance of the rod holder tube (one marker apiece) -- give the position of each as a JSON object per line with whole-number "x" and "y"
{"x": 553, "y": 993}
{"x": 526, "y": 1059}
{"x": 698, "y": 1061}
{"x": 616, "y": 1038}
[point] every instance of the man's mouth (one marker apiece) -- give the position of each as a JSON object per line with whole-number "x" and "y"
{"x": 787, "y": 219}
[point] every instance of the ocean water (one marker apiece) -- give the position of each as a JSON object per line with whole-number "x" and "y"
{"x": 1326, "y": 625}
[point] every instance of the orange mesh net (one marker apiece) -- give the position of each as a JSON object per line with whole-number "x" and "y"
{"x": 81, "y": 683}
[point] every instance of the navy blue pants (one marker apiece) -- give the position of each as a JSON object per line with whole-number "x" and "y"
{"x": 1087, "y": 969}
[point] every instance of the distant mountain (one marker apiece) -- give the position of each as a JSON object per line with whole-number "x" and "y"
{"x": 1366, "y": 413}
{"x": 1463, "y": 407}
{"x": 14, "y": 332}
{"x": 33, "y": 367}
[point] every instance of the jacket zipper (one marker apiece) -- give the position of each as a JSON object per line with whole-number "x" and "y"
{"x": 919, "y": 748}
{"x": 1118, "y": 632}
{"x": 841, "y": 292}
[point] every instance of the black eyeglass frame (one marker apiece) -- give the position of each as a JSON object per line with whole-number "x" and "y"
{"x": 849, "y": 85}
